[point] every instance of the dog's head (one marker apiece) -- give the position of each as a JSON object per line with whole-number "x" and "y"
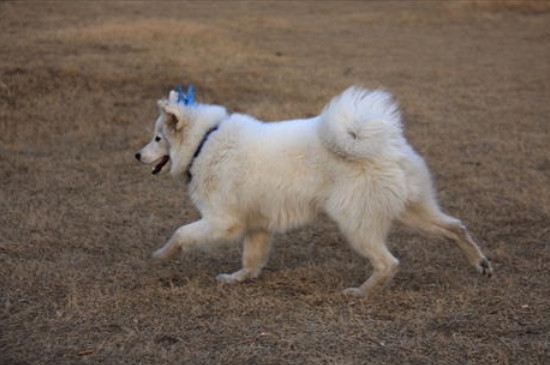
{"x": 178, "y": 131}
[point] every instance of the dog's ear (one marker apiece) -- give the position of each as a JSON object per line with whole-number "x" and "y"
{"x": 173, "y": 117}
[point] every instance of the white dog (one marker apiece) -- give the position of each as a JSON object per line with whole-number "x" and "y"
{"x": 251, "y": 179}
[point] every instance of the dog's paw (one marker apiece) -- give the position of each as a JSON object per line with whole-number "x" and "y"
{"x": 228, "y": 279}
{"x": 162, "y": 254}
{"x": 484, "y": 267}
{"x": 238, "y": 276}
{"x": 354, "y": 292}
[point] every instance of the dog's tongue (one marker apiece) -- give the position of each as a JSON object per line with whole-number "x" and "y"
{"x": 161, "y": 164}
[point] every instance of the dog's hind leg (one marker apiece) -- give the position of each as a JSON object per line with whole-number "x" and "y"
{"x": 200, "y": 232}
{"x": 426, "y": 216}
{"x": 368, "y": 239}
{"x": 256, "y": 249}
{"x": 384, "y": 263}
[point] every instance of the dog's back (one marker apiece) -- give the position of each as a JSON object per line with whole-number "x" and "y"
{"x": 280, "y": 175}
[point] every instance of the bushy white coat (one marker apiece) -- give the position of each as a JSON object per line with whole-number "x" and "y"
{"x": 251, "y": 179}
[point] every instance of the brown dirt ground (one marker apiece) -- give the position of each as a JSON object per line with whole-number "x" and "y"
{"x": 79, "y": 217}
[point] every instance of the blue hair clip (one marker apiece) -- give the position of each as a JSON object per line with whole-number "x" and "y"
{"x": 181, "y": 95}
{"x": 190, "y": 97}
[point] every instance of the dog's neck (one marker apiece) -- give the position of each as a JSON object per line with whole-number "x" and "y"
{"x": 198, "y": 151}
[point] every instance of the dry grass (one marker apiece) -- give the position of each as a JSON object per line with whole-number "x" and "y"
{"x": 78, "y": 84}
{"x": 525, "y": 7}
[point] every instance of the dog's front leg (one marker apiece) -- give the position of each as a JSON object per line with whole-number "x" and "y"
{"x": 256, "y": 249}
{"x": 201, "y": 232}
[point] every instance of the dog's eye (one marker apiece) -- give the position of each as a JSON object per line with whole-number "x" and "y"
{"x": 157, "y": 139}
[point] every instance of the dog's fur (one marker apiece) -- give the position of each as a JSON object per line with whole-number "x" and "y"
{"x": 252, "y": 179}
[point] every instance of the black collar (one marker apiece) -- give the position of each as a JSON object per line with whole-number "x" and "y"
{"x": 198, "y": 151}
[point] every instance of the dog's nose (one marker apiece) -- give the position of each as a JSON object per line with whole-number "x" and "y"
{"x": 138, "y": 156}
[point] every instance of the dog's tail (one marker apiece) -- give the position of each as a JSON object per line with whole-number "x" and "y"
{"x": 360, "y": 123}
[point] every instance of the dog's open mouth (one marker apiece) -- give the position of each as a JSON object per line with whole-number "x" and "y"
{"x": 163, "y": 161}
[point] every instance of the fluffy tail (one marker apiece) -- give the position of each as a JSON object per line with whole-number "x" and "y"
{"x": 360, "y": 123}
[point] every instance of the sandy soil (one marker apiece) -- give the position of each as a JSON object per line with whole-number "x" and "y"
{"x": 79, "y": 217}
